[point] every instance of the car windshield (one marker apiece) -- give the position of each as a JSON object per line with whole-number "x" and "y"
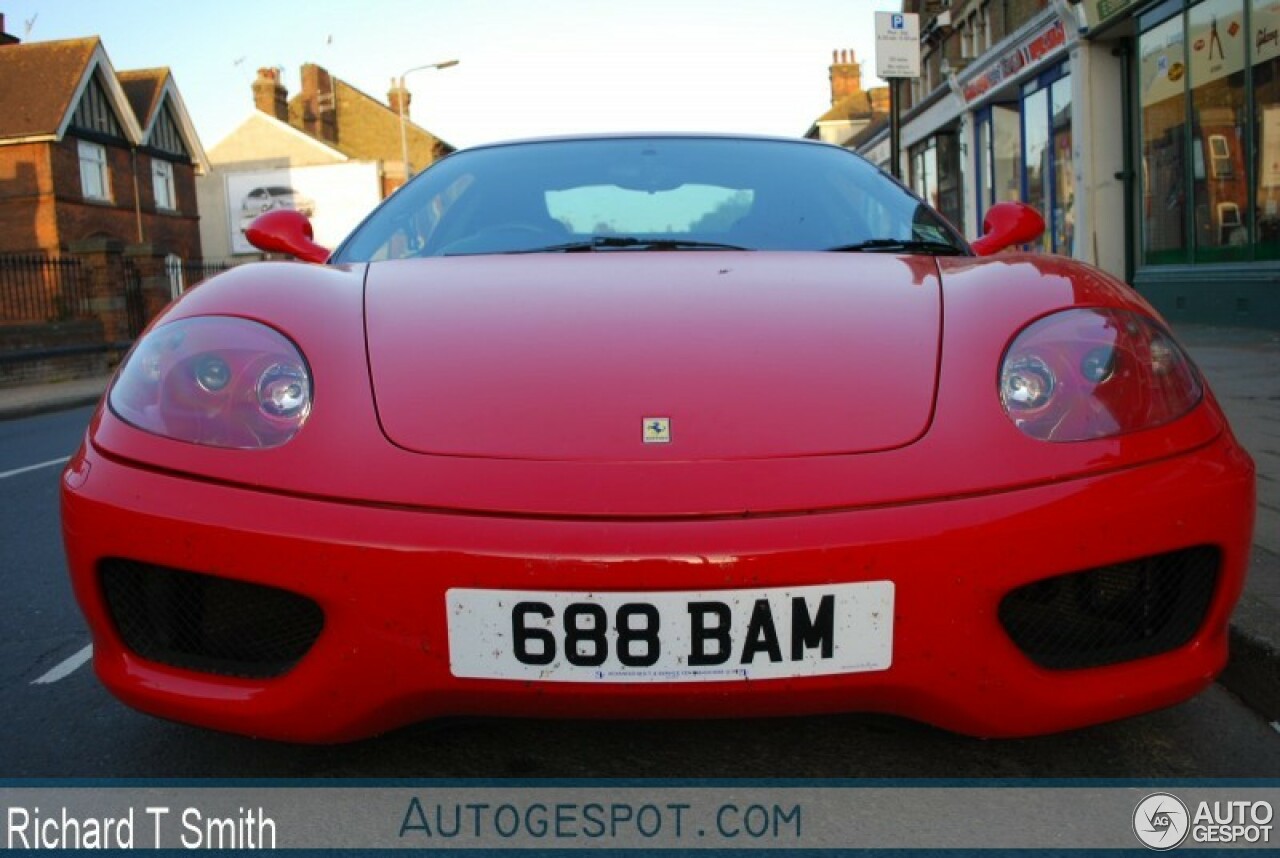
{"x": 650, "y": 193}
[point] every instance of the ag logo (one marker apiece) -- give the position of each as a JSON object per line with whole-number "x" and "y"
{"x": 1160, "y": 820}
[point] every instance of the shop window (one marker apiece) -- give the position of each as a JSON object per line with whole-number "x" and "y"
{"x": 924, "y": 171}
{"x": 999, "y": 156}
{"x": 1216, "y": 76}
{"x": 1162, "y": 97}
{"x": 1036, "y": 137}
{"x": 1266, "y": 131}
{"x": 1063, "y": 219}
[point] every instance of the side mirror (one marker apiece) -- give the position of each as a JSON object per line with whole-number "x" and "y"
{"x": 285, "y": 231}
{"x": 1007, "y": 224}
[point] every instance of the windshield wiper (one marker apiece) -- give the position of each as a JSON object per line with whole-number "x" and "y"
{"x": 626, "y": 242}
{"x": 905, "y": 245}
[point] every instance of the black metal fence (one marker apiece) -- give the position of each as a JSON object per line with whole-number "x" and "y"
{"x": 135, "y": 302}
{"x": 40, "y": 288}
{"x": 185, "y": 275}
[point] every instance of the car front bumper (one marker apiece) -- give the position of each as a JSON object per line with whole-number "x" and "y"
{"x": 380, "y": 575}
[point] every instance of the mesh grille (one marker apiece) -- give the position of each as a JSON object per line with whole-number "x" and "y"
{"x": 201, "y": 622}
{"x": 1114, "y": 613}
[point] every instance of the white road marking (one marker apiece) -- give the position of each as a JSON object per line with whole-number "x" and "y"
{"x": 48, "y": 464}
{"x": 1275, "y": 725}
{"x": 67, "y": 667}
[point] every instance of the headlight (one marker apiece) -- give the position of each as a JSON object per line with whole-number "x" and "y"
{"x": 215, "y": 380}
{"x": 1083, "y": 374}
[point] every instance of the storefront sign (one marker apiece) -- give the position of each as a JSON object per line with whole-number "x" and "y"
{"x": 1266, "y": 31}
{"x": 1038, "y": 46}
{"x": 1098, "y": 11}
{"x": 897, "y": 44}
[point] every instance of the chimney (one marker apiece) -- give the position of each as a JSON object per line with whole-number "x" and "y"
{"x": 396, "y": 96}
{"x": 879, "y": 99}
{"x": 846, "y": 75}
{"x": 6, "y": 38}
{"x": 319, "y": 104}
{"x": 270, "y": 96}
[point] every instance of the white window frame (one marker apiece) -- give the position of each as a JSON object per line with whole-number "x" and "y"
{"x": 166, "y": 193}
{"x": 95, "y": 174}
{"x": 1220, "y": 157}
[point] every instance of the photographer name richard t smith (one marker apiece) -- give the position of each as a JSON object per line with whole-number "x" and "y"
{"x": 29, "y": 828}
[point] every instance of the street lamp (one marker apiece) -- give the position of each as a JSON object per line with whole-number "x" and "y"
{"x": 404, "y": 140}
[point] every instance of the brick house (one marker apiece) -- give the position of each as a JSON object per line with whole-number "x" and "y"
{"x": 852, "y": 108}
{"x": 331, "y": 144}
{"x": 358, "y": 125}
{"x": 86, "y": 152}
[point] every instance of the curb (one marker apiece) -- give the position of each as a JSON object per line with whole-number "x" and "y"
{"x": 1253, "y": 669}
{"x": 46, "y": 405}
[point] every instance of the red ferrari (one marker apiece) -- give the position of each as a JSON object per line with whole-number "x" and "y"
{"x": 657, "y": 426}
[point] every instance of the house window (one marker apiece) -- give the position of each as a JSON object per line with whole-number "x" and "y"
{"x": 95, "y": 179}
{"x": 162, "y": 182}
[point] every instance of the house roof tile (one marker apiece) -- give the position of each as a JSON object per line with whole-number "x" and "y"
{"x": 143, "y": 88}
{"x": 37, "y": 82}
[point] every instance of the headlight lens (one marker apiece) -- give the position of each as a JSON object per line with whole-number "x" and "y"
{"x": 1093, "y": 373}
{"x": 217, "y": 381}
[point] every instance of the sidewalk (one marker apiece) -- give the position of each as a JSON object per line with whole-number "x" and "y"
{"x": 18, "y": 402}
{"x": 1243, "y": 368}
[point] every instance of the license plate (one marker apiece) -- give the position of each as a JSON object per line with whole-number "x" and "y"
{"x": 714, "y": 635}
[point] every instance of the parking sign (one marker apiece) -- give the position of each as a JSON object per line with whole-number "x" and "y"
{"x": 897, "y": 44}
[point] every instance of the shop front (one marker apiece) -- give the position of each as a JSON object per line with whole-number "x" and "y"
{"x": 1203, "y": 154}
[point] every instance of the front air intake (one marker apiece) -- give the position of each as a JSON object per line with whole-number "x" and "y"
{"x": 206, "y": 623}
{"x": 1114, "y": 613}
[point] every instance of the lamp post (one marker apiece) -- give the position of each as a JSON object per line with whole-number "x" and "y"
{"x": 404, "y": 140}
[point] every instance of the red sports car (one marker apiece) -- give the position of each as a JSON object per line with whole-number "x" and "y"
{"x": 639, "y": 426}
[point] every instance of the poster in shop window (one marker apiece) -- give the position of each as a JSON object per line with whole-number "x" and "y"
{"x": 1217, "y": 35}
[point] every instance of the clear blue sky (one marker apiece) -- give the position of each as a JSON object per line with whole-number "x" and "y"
{"x": 528, "y": 67}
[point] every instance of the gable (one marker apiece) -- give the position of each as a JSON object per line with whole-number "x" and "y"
{"x": 165, "y": 135}
{"x": 94, "y": 112}
{"x": 264, "y": 140}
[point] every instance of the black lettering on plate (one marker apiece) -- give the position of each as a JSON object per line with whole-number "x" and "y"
{"x": 810, "y": 632}
{"x": 521, "y": 634}
{"x": 761, "y": 634}
{"x": 701, "y": 632}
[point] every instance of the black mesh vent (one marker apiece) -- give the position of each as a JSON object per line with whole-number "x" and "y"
{"x": 201, "y": 622}
{"x": 1114, "y": 613}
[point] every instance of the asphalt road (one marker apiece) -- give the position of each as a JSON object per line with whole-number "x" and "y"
{"x": 71, "y": 727}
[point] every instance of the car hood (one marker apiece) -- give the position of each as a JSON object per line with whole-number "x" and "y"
{"x": 572, "y": 356}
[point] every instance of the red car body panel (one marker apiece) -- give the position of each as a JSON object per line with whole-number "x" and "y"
{"x": 381, "y": 504}
{"x": 970, "y": 446}
{"x": 380, "y": 575}
{"x": 797, "y": 358}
